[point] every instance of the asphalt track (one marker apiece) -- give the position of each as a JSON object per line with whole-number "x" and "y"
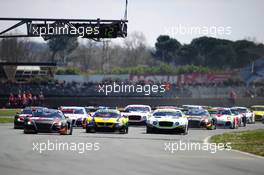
{"x": 136, "y": 153}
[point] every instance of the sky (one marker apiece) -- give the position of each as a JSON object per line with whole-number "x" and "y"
{"x": 181, "y": 19}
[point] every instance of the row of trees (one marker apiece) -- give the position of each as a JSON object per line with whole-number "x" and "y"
{"x": 207, "y": 51}
{"x": 107, "y": 57}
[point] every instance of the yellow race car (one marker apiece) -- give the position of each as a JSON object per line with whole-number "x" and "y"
{"x": 258, "y": 110}
{"x": 107, "y": 119}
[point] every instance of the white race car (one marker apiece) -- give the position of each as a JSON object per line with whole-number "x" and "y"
{"x": 137, "y": 114}
{"x": 250, "y": 116}
{"x": 226, "y": 118}
{"x": 75, "y": 113}
{"x": 167, "y": 120}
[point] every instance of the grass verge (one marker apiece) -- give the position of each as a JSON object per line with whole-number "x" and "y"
{"x": 6, "y": 120}
{"x": 8, "y": 112}
{"x": 247, "y": 141}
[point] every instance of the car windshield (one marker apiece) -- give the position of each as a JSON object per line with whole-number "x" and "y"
{"x": 26, "y": 111}
{"x": 78, "y": 111}
{"x": 242, "y": 110}
{"x": 90, "y": 109}
{"x": 212, "y": 112}
{"x": 106, "y": 115}
{"x": 137, "y": 109}
{"x": 167, "y": 114}
{"x": 196, "y": 113}
{"x": 235, "y": 111}
{"x": 47, "y": 114}
{"x": 224, "y": 112}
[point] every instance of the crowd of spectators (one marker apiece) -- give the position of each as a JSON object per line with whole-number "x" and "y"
{"x": 33, "y": 93}
{"x": 25, "y": 99}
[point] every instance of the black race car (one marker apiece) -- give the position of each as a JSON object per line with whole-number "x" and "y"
{"x": 20, "y": 117}
{"x": 201, "y": 118}
{"x": 48, "y": 121}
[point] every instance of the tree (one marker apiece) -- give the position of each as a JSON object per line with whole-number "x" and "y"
{"x": 62, "y": 45}
{"x": 136, "y": 51}
{"x": 15, "y": 50}
{"x": 167, "y": 49}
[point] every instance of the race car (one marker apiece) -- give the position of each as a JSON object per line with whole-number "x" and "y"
{"x": 258, "y": 110}
{"x": 213, "y": 111}
{"x": 20, "y": 117}
{"x": 226, "y": 118}
{"x": 201, "y": 118}
{"x": 246, "y": 115}
{"x": 190, "y": 107}
{"x": 107, "y": 119}
{"x": 166, "y": 107}
{"x": 137, "y": 114}
{"x": 48, "y": 121}
{"x": 167, "y": 120}
{"x": 76, "y": 114}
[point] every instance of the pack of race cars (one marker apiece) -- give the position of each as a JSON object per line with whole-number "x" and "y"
{"x": 160, "y": 119}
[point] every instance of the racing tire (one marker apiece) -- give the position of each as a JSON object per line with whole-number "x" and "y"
{"x": 149, "y": 130}
{"x": 88, "y": 130}
{"x": 122, "y": 130}
{"x": 213, "y": 126}
{"x": 29, "y": 132}
{"x": 245, "y": 122}
{"x": 185, "y": 131}
{"x": 70, "y": 129}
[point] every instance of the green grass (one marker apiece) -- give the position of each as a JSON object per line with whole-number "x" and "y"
{"x": 247, "y": 141}
{"x": 6, "y": 120}
{"x": 8, "y": 112}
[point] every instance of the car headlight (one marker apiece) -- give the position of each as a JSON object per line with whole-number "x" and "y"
{"x": 29, "y": 122}
{"x": 155, "y": 122}
{"x": 57, "y": 123}
{"x": 206, "y": 121}
{"x": 144, "y": 117}
{"x": 177, "y": 123}
{"x": 228, "y": 118}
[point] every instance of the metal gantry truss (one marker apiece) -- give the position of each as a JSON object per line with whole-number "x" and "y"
{"x": 86, "y": 28}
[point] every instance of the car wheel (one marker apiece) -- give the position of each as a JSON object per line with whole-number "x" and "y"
{"x": 149, "y": 130}
{"x": 70, "y": 129}
{"x": 185, "y": 131}
{"x": 213, "y": 127}
{"x": 233, "y": 126}
{"x": 29, "y": 132}
{"x": 240, "y": 123}
{"x": 87, "y": 130}
{"x": 122, "y": 130}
